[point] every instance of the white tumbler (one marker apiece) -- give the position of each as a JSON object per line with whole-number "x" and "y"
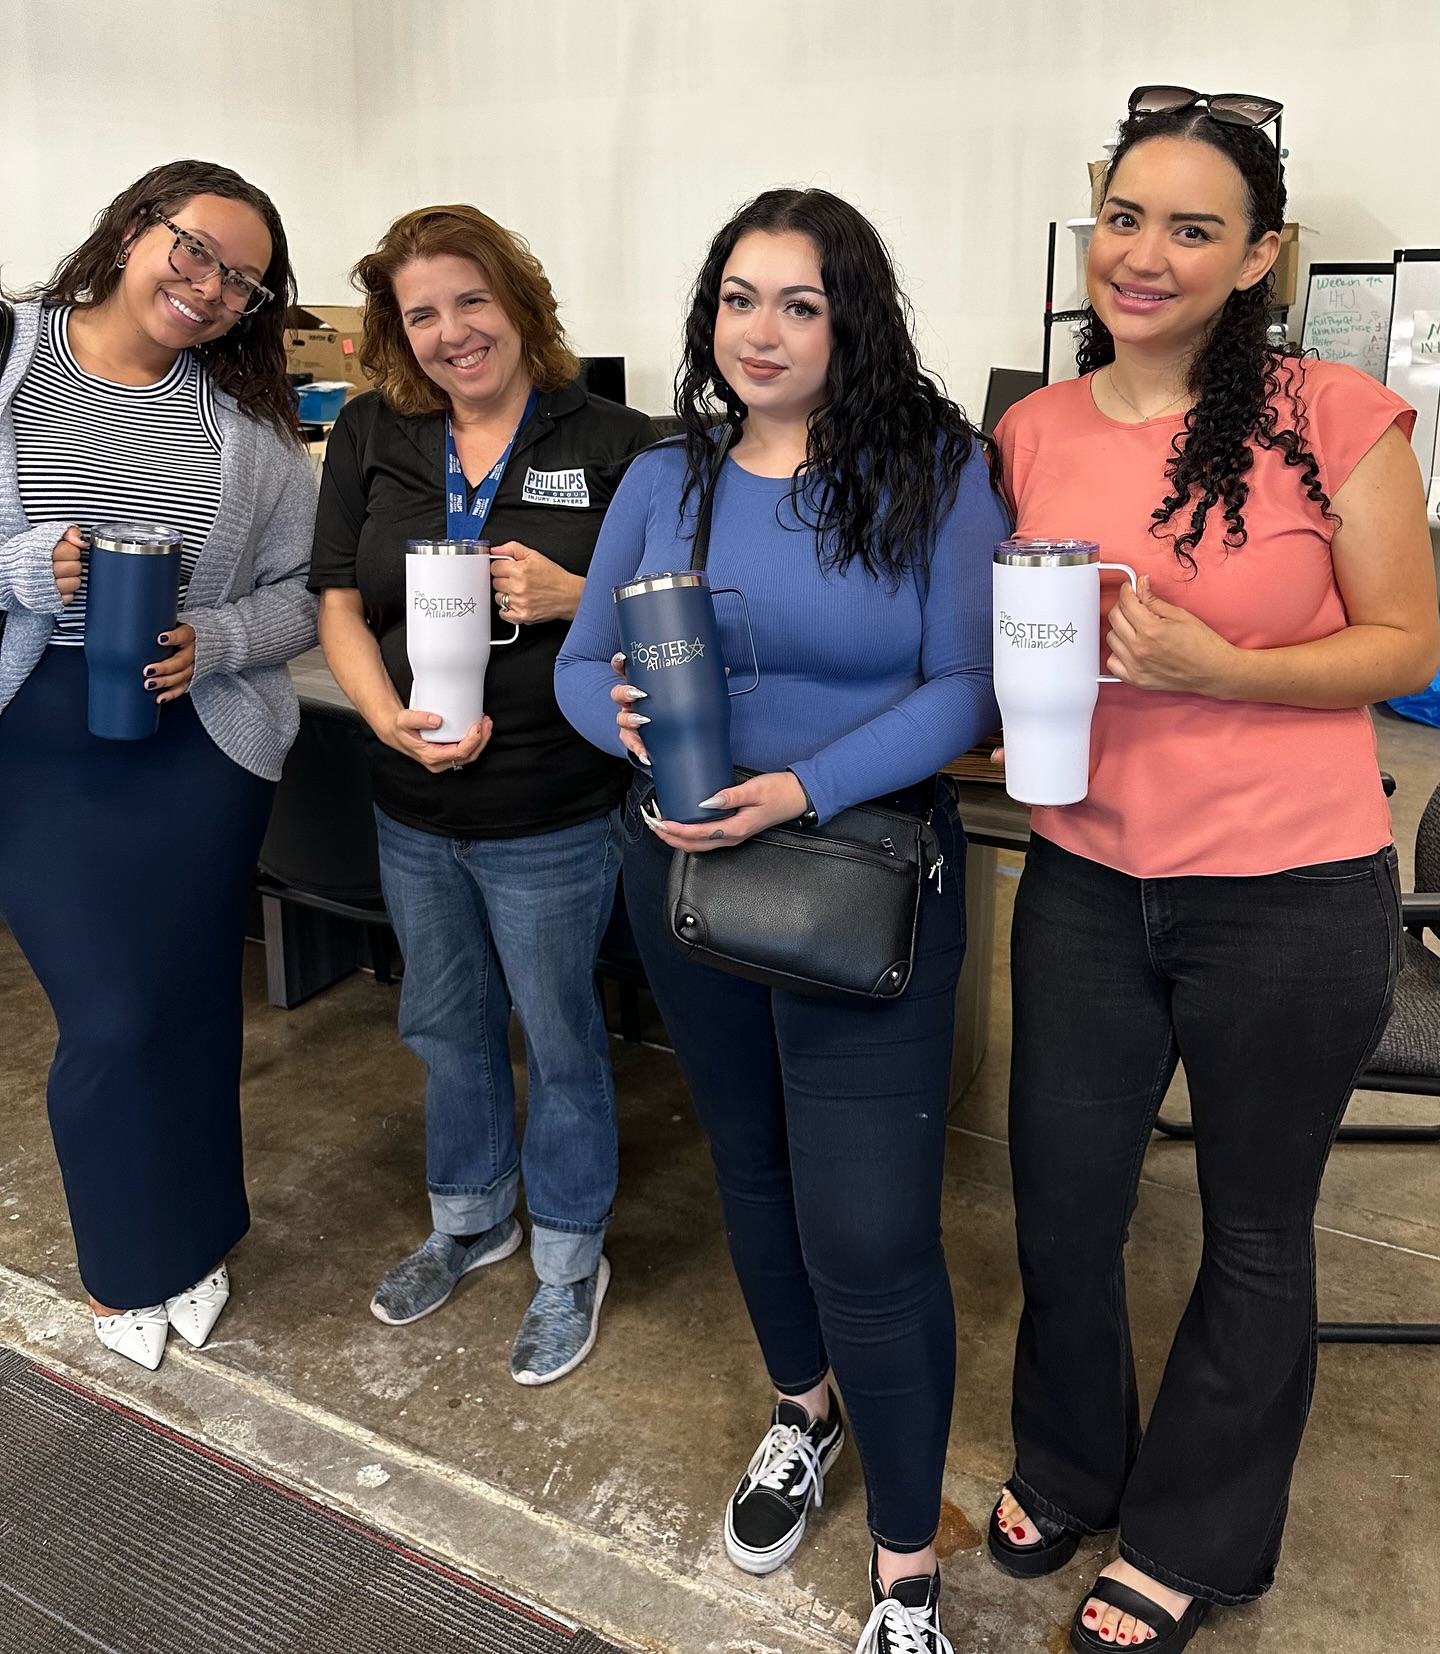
{"x": 447, "y": 631}
{"x": 1047, "y": 647}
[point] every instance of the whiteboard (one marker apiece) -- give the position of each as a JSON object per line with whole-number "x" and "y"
{"x": 1413, "y": 367}
{"x": 1347, "y": 315}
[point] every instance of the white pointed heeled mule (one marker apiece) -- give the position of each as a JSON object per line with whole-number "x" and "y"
{"x": 195, "y": 1311}
{"x": 137, "y": 1334}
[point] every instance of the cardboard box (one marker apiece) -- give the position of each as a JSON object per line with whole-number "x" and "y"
{"x": 1097, "y": 184}
{"x": 1287, "y": 266}
{"x": 324, "y": 340}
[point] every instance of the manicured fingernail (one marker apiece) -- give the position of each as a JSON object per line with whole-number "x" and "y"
{"x": 164, "y": 637}
{"x": 635, "y": 719}
{"x": 151, "y": 685}
{"x": 617, "y": 661}
{"x": 716, "y": 801}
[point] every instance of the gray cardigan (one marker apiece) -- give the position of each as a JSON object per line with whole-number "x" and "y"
{"x": 246, "y": 599}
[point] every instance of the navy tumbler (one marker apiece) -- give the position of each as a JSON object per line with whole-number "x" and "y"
{"x": 672, "y": 650}
{"x": 131, "y": 597}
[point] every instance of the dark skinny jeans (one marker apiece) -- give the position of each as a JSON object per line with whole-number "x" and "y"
{"x": 826, "y": 1122}
{"x": 1273, "y": 992}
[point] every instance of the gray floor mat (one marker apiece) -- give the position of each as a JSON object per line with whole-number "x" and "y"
{"x": 120, "y": 1536}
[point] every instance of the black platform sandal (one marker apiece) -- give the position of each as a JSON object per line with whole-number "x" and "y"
{"x": 1057, "y": 1545}
{"x": 1170, "y": 1634}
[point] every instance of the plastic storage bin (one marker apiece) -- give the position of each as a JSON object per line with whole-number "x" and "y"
{"x": 321, "y": 400}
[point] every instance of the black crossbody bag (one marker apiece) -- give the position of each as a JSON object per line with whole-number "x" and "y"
{"x": 830, "y": 910}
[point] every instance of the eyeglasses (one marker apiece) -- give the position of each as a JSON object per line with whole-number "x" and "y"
{"x": 1234, "y": 108}
{"x": 192, "y": 260}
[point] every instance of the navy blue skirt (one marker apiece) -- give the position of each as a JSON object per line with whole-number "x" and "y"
{"x": 125, "y": 871}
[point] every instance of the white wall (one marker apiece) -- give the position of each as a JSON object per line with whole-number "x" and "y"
{"x": 616, "y": 134}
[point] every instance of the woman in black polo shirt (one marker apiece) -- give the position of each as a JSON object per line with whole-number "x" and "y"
{"x": 498, "y": 852}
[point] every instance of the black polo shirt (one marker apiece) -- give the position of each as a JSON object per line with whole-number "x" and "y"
{"x": 384, "y": 483}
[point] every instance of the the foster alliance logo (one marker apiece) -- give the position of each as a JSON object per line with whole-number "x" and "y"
{"x": 1035, "y": 634}
{"x": 655, "y": 657}
{"x": 444, "y": 608}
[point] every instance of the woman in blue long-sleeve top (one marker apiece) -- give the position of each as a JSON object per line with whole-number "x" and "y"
{"x": 857, "y": 514}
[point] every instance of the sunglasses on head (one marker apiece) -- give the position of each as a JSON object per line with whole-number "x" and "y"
{"x": 1234, "y": 108}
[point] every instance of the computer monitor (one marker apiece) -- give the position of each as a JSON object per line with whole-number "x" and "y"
{"x": 604, "y": 376}
{"x": 1007, "y": 387}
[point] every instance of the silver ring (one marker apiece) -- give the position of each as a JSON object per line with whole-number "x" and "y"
{"x": 504, "y": 602}
{"x": 455, "y": 764}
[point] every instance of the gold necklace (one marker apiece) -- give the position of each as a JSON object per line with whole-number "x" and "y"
{"x": 1110, "y": 380}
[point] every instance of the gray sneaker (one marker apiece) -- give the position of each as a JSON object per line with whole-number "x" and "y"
{"x": 419, "y": 1284}
{"x": 559, "y": 1329}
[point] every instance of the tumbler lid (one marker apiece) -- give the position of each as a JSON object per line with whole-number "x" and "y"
{"x": 662, "y": 583}
{"x": 1034, "y": 552}
{"x": 447, "y": 548}
{"x": 138, "y": 539}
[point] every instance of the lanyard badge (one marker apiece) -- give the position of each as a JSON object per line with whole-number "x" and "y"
{"x": 468, "y": 523}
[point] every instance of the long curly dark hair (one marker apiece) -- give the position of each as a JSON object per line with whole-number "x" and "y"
{"x": 885, "y": 450}
{"x": 1238, "y": 380}
{"x": 248, "y": 361}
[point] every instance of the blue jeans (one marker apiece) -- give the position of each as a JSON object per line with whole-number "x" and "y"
{"x": 487, "y": 924}
{"x": 826, "y": 1122}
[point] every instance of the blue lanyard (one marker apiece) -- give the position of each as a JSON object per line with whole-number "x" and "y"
{"x": 463, "y": 524}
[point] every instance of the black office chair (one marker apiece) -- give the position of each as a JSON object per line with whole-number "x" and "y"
{"x": 1406, "y": 1060}
{"x": 319, "y": 873}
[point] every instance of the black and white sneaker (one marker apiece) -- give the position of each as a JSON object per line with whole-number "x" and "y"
{"x": 906, "y": 1618}
{"x": 765, "y": 1520}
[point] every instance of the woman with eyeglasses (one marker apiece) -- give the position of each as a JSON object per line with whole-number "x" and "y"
{"x": 1225, "y": 896}
{"x": 147, "y": 382}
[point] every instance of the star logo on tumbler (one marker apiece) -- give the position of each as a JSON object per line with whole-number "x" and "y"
{"x": 1036, "y": 634}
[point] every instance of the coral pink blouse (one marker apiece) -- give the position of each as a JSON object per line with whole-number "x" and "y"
{"x": 1182, "y": 783}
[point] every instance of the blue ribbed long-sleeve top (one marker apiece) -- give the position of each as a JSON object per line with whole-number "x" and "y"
{"x": 865, "y": 686}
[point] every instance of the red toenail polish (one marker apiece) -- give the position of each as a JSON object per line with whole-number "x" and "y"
{"x": 1090, "y": 1614}
{"x": 1004, "y": 1525}
{"x": 1019, "y": 1533}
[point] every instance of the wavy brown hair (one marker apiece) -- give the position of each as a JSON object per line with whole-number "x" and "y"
{"x": 249, "y": 360}
{"x": 520, "y": 285}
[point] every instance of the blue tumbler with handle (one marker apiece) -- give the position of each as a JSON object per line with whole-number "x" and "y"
{"x": 131, "y": 597}
{"x": 672, "y": 650}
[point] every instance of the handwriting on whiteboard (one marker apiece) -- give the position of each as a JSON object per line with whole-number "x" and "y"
{"x": 1425, "y": 344}
{"x": 1348, "y": 319}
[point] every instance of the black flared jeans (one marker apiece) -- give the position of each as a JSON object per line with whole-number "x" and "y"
{"x": 1273, "y": 992}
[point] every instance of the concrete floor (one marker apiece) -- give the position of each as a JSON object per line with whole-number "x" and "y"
{"x": 602, "y": 1495}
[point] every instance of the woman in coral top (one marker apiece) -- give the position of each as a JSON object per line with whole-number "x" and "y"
{"x": 1226, "y": 894}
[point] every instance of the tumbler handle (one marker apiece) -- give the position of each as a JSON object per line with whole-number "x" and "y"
{"x": 734, "y": 591}
{"x": 501, "y": 642}
{"x": 1124, "y": 568}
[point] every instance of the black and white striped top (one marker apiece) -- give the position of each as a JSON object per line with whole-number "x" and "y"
{"x": 88, "y": 451}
